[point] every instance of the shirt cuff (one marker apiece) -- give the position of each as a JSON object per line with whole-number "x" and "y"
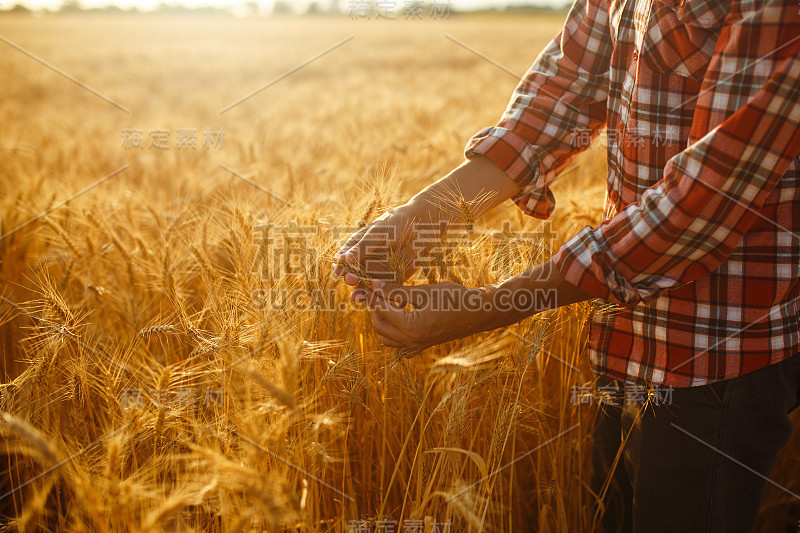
{"x": 584, "y": 261}
{"x": 517, "y": 158}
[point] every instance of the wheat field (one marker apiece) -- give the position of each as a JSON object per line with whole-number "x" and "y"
{"x": 177, "y": 353}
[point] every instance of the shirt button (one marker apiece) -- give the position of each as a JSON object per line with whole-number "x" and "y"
{"x": 635, "y": 55}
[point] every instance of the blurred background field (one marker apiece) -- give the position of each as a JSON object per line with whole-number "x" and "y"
{"x": 150, "y": 384}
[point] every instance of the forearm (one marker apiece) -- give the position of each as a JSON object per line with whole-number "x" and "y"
{"x": 446, "y": 311}
{"x": 481, "y": 183}
{"x": 537, "y": 289}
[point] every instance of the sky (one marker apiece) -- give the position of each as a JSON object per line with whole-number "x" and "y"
{"x": 150, "y": 4}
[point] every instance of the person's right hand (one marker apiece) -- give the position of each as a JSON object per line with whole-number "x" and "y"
{"x": 381, "y": 251}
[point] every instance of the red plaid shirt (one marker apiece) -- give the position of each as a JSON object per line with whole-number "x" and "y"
{"x": 700, "y": 239}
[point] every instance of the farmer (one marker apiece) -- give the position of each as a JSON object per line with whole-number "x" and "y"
{"x": 699, "y": 245}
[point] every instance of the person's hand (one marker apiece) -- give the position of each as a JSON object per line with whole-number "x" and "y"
{"x": 417, "y": 317}
{"x": 381, "y": 251}
{"x": 387, "y": 249}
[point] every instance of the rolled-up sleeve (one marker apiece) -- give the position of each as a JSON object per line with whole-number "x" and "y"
{"x": 745, "y": 134}
{"x": 555, "y": 110}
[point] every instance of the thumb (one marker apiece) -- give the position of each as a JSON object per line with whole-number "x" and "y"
{"x": 416, "y": 296}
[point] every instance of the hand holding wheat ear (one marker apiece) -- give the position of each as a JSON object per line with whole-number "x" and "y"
{"x": 383, "y": 250}
{"x": 379, "y": 251}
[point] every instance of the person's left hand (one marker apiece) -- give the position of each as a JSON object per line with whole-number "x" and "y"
{"x": 439, "y": 313}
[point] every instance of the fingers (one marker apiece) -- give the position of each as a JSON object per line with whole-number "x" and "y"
{"x": 361, "y": 293}
{"x": 358, "y": 295}
{"x": 380, "y": 251}
{"x": 416, "y": 296}
{"x": 391, "y": 325}
{"x": 351, "y": 279}
{"x": 396, "y": 316}
{"x": 389, "y": 333}
{"x": 367, "y": 242}
{"x": 385, "y": 319}
{"x": 352, "y": 240}
{"x": 368, "y": 251}
{"x": 345, "y": 253}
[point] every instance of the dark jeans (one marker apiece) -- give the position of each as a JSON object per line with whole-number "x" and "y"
{"x": 699, "y": 463}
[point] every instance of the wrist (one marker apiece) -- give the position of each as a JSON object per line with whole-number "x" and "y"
{"x": 416, "y": 208}
{"x": 538, "y": 289}
{"x": 506, "y": 303}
